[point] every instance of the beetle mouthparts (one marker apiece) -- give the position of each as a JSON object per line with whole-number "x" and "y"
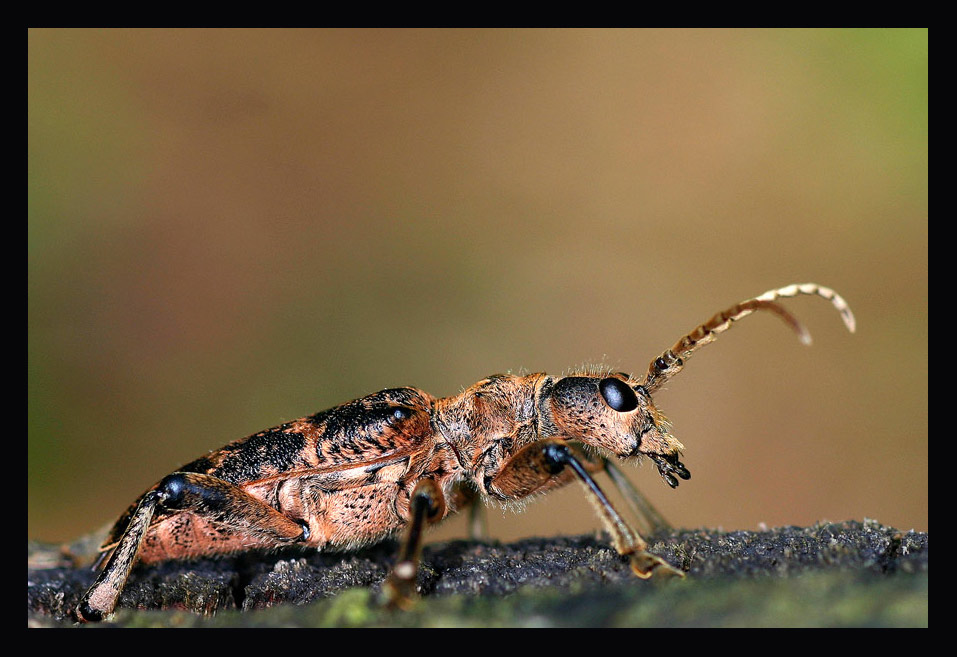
{"x": 668, "y": 466}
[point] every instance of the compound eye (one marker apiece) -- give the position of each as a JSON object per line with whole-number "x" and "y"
{"x": 618, "y": 395}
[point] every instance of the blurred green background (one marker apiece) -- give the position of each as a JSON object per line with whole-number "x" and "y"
{"x": 231, "y": 229}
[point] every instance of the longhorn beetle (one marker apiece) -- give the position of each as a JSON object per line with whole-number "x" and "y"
{"x": 401, "y": 458}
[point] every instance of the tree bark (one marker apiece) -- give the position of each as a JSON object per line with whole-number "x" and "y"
{"x": 848, "y": 573}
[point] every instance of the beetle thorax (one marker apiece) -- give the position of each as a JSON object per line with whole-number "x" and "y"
{"x": 496, "y": 414}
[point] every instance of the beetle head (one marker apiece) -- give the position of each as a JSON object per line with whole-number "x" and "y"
{"x": 615, "y": 413}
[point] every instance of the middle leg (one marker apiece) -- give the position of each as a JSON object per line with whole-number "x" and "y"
{"x": 426, "y": 505}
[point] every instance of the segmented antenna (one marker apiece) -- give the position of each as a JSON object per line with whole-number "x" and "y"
{"x": 672, "y": 361}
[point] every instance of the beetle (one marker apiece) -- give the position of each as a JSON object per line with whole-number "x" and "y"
{"x": 403, "y": 459}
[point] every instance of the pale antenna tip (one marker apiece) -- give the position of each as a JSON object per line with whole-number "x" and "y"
{"x": 849, "y": 321}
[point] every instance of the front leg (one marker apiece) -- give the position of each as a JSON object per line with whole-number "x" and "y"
{"x": 549, "y": 464}
{"x": 203, "y": 495}
{"x": 639, "y": 504}
{"x": 649, "y": 518}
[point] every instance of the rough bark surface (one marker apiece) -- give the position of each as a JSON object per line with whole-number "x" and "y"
{"x": 850, "y": 573}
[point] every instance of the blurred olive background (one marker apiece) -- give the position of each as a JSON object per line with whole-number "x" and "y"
{"x": 231, "y": 229}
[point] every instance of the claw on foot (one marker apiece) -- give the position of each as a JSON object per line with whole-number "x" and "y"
{"x": 645, "y": 564}
{"x": 399, "y": 587}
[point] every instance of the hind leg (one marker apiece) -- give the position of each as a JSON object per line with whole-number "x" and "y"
{"x": 203, "y": 495}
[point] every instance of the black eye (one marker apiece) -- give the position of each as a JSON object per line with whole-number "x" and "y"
{"x": 618, "y": 395}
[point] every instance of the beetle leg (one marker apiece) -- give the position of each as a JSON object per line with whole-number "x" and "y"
{"x": 625, "y": 539}
{"x": 649, "y": 517}
{"x": 230, "y": 506}
{"x": 207, "y": 497}
{"x": 466, "y": 495}
{"x": 101, "y": 598}
{"x": 638, "y": 503}
{"x": 478, "y": 522}
{"x": 426, "y": 505}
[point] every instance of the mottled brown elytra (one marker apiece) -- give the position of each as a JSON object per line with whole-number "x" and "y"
{"x": 401, "y": 459}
